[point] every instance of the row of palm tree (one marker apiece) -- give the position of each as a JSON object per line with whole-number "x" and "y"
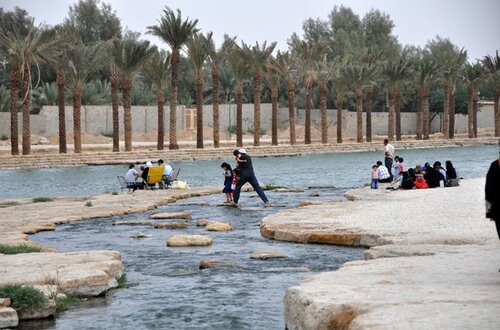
{"x": 361, "y": 72}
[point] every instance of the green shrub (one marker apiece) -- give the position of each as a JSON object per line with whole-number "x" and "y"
{"x": 7, "y": 204}
{"x": 123, "y": 283}
{"x": 270, "y": 186}
{"x": 65, "y": 303}
{"x": 23, "y": 297}
{"x": 88, "y": 203}
{"x": 15, "y": 249}
{"x": 4, "y": 137}
{"x": 42, "y": 199}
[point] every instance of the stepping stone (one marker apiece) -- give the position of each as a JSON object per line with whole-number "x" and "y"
{"x": 133, "y": 223}
{"x": 171, "y": 225}
{"x": 266, "y": 255}
{"x": 307, "y": 203}
{"x": 287, "y": 190}
{"x": 202, "y": 222}
{"x": 218, "y": 226}
{"x": 139, "y": 235}
{"x": 175, "y": 215}
{"x": 204, "y": 264}
{"x": 189, "y": 240}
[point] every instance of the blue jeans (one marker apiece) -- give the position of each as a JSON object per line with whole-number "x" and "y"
{"x": 374, "y": 183}
{"x": 255, "y": 184}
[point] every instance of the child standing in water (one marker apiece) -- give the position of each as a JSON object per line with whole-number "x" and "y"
{"x": 228, "y": 180}
{"x": 374, "y": 176}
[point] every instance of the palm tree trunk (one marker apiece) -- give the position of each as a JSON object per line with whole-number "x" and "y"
{"x": 114, "y": 106}
{"x": 215, "y": 106}
{"x": 496, "y": 111}
{"x": 339, "y": 118}
{"x": 291, "y": 109}
{"x": 397, "y": 106}
{"x": 160, "y": 99}
{"x": 419, "y": 117}
{"x": 274, "y": 116}
{"x": 470, "y": 112}
{"x": 475, "y": 110}
{"x": 15, "y": 77}
{"x": 446, "y": 109}
{"x": 256, "y": 107}
{"x": 127, "y": 116}
{"x": 199, "y": 111}
{"x": 452, "y": 115}
{"x": 369, "y": 94}
{"x": 425, "y": 114}
{"x": 324, "y": 119}
{"x": 239, "y": 115}
{"x": 307, "y": 124}
{"x": 77, "y": 128}
{"x": 61, "y": 81}
{"x": 174, "y": 65}
{"x": 26, "y": 110}
{"x": 359, "y": 114}
{"x": 392, "y": 111}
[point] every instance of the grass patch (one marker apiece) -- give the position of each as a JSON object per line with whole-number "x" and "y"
{"x": 270, "y": 186}
{"x": 23, "y": 297}
{"x": 16, "y": 249}
{"x": 65, "y": 303}
{"x": 123, "y": 283}
{"x": 88, "y": 204}
{"x": 4, "y": 137}
{"x": 42, "y": 199}
{"x": 114, "y": 193}
{"x": 7, "y": 204}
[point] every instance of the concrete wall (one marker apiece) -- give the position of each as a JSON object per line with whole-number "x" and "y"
{"x": 98, "y": 119}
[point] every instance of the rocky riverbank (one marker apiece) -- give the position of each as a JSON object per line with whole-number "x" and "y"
{"x": 432, "y": 263}
{"x": 87, "y": 273}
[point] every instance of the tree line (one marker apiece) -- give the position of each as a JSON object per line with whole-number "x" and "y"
{"x": 343, "y": 62}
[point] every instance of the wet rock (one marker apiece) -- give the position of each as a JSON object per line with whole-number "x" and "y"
{"x": 47, "y": 310}
{"x": 266, "y": 255}
{"x": 174, "y": 215}
{"x": 8, "y": 318}
{"x": 132, "y": 223}
{"x": 218, "y": 226}
{"x": 202, "y": 222}
{"x": 288, "y": 190}
{"x": 189, "y": 240}
{"x": 314, "y": 195}
{"x": 307, "y": 203}
{"x": 171, "y": 225}
{"x": 139, "y": 235}
{"x": 204, "y": 264}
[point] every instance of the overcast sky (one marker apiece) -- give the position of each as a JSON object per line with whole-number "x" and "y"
{"x": 474, "y": 25}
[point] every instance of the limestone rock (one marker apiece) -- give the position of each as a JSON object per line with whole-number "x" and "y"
{"x": 204, "y": 264}
{"x": 139, "y": 235}
{"x": 307, "y": 203}
{"x": 189, "y": 240}
{"x": 8, "y": 318}
{"x": 132, "y": 223}
{"x": 4, "y": 302}
{"x": 171, "y": 225}
{"x": 174, "y": 215}
{"x": 218, "y": 226}
{"x": 38, "y": 313}
{"x": 314, "y": 195}
{"x": 266, "y": 255}
{"x": 287, "y": 190}
{"x": 202, "y": 222}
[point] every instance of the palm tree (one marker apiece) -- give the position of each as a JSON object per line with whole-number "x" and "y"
{"x": 198, "y": 53}
{"x": 473, "y": 75}
{"x": 492, "y": 66}
{"x": 395, "y": 73}
{"x": 240, "y": 65}
{"x": 273, "y": 72}
{"x": 156, "y": 70}
{"x": 359, "y": 75}
{"x": 425, "y": 69}
{"x": 285, "y": 65}
{"x": 340, "y": 87}
{"x": 175, "y": 33}
{"x": 115, "y": 87}
{"x": 453, "y": 69}
{"x": 324, "y": 71}
{"x": 370, "y": 56}
{"x": 307, "y": 54}
{"x": 216, "y": 58}
{"x": 128, "y": 56}
{"x": 258, "y": 57}
{"x": 83, "y": 61}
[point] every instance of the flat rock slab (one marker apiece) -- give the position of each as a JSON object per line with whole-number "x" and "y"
{"x": 288, "y": 190}
{"x": 266, "y": 255}
{"x": 87, "y": 273}
{"x": 173, "y": 215}
{"x": 8, "y": 318}
{"x": 132, "y": 223}
{"x": 38, "y": 313}
{"x": 218, "y": 226}
{"x": 189, "y": 240}
{"x": 171, "y": 225}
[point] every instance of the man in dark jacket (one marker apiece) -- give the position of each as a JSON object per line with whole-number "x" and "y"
{"x": 246, "y": 174}
{"x": 492, "y": 194}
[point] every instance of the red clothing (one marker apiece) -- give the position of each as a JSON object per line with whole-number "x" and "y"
{"x": 420, "y": 184}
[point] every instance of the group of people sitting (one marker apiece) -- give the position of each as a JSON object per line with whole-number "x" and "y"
{"x": 420, "y": 177}
{"x": 138, "y": 180}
